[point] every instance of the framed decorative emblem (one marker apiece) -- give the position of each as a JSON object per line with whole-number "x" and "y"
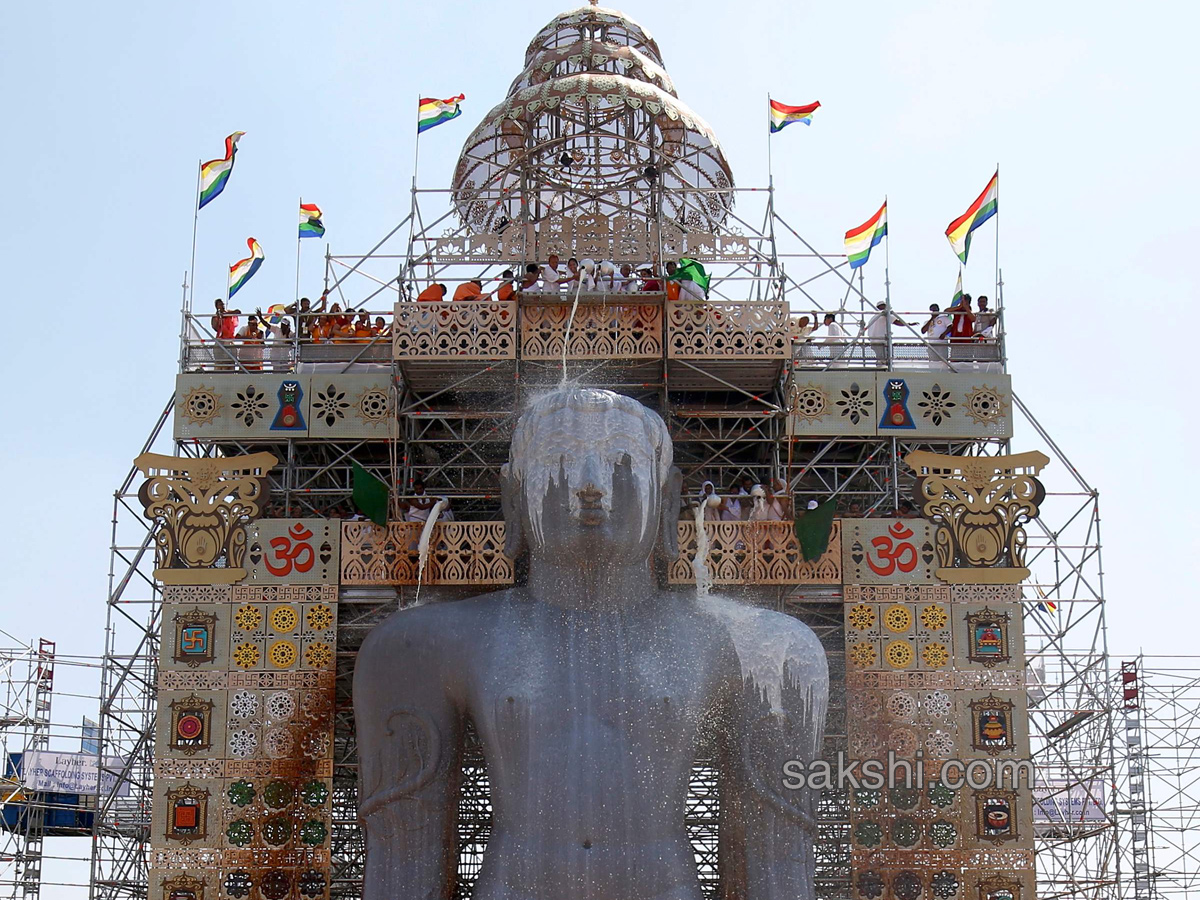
{"x": 183, "y": 887}
{"x": 191, "y": 725}
{"x": 996, "y": 816}
{"x": 998, "y": 888}
{"x": 187, "y": 814}
{"x": 194, "y": 641}
{"x": 992, "y": 725}
{"x": 987, "y": 637}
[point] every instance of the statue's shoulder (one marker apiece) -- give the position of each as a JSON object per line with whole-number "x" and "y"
{"x": 434, "y": 626}
{"x": 754, "y": 630}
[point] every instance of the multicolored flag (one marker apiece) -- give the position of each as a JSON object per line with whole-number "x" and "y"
{"x": 984, "y": 207}
{"x": 690, "y": 270}
{"x": 432, "y": 112}
{"x": 782, "y": 115}
{"x": 957, "y": 291}
{"x": 310, "y": 221}
{"x": 214, "y": 174}
{"x": 860, "y": 240}
{"x": 243, "y": 270}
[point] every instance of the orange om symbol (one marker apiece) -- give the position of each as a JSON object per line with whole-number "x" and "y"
{"x": 301, "y": 557}
{"x": 902, "y": 556}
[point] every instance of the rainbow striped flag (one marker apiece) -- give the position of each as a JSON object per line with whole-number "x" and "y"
{"x": 243, "y": 270}
{"x": 984, "y": 207}
{"x": 860, "y": 240}
{"x": 310, "y": 221}
{"x": 782, "y": 115}
{"x": 214, "y": 174}
{"x": 432, "y": 112}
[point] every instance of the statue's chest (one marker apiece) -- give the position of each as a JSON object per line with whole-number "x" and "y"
{"x": 611, "y": 687}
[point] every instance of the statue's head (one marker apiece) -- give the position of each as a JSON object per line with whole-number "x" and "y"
{"x": 590, "y": 472}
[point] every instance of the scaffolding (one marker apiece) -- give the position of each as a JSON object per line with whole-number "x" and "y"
{"x": 1159, "y": 775}
{"x": 725, "y": 375}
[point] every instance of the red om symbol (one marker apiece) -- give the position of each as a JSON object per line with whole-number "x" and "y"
{"x": 902, "y": 556}
{"x": 301, "y": 557}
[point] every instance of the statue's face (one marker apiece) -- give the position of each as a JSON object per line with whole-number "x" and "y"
{"x": 591, "y": 485}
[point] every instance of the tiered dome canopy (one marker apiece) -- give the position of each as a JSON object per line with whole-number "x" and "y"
{"x": 593, "y": 125}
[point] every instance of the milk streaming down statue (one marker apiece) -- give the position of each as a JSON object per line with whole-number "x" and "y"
{"x": 592, "y": 691}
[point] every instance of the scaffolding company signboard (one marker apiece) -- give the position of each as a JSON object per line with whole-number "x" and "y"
{"x": 70, "y": 773}
{"x": 1068, "y": 804}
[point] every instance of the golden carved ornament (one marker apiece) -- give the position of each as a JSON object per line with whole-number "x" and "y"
{"x": 979, "y": 504}
{"x": 200, "y": 508}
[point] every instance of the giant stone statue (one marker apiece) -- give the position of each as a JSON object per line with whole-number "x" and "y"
{"x": 592, "y": 691}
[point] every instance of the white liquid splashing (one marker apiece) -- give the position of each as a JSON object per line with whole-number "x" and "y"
{"x": 700, "y": 560}
{"x": 423, "y": 543}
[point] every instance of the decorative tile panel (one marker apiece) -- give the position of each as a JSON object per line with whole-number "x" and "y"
{"x": 292, "y": 551}
{"x": 888, "y": 551}
{"x": 459, "y": 553}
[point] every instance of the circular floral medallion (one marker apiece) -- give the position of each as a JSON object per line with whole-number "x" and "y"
{"x": 905, "y": 832}
{"x": 943, "y": 834}
{"x": 898, "y": 619}
{"x": 985, "y": 405}
{"x": 867, "y": 798}
{"x": 902, "y": 707}
{"x": 870, "y": 885}
{"x": 904, "y": 798}
{"x": 899, "y": 654}
{"x": 320, "y": 617}
{"x": 318, "y": 655}
{"x": 860, "y": 616}
{"x": 283, "y": 654}
{"x": 934, "y": 618}
{"x": 313, "y": 832}
{"x": 281, "y": 706}
{"x": 244, "y": 704}
{"x": 241, "y": 793}
{"x": 276, "y": 885}
{"x": 200, "y": 405}
{"x": 284, "y": 620}
{"x": 862, "y": 654}
{"x": 868, "y": 834}
{"x": 238, "y": 884}
{"x": 277, "y": 830}
{"x": 278, "y": 794}
{"x": 239, "y": 833}
{"x": 314, "y": 793}
{"x": 940, "y": 795}
{"x": 944, "y": 884}
{"x": 312, "y": 883}
{"x": 246, "y": 656}
{"x": 810, "y": 402}
{"x": 935, "y": 655}
{"x": 373, "y": 405}
{"x": 907, "y": 886}
{"x": 248, "y": 617}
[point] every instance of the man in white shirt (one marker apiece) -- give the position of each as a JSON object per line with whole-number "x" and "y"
{"x": 552, "y": 274}
{"x": 936, "y": 331}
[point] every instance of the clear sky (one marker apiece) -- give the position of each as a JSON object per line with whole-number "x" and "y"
{"x": 108, "y": 107}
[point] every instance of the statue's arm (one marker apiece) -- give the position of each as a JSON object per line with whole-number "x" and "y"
{"x": 409, "y": 727}
{"x": 767, "y": 828}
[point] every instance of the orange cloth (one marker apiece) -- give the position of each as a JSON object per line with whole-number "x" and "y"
{"x": 468, "y": 291}
{"x": 363, "y": 332}
{"x": 672, "y": 290}
{"x": 433, "y": 292}
{"x": 506, "y": 292}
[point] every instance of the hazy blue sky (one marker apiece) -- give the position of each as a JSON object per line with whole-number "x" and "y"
{"x": 109, "y": 106}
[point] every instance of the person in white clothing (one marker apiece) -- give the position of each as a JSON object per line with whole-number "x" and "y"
{"x": 710, "y": 501}
{"x": 552, "y": 274}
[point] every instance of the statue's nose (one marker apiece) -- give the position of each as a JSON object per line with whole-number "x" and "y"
{"x": 589, "y": 494}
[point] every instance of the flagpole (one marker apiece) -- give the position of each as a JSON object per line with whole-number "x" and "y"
{"x": 770, "y": 168}
{"x": 887, "y": 287}
{"x": 297, "y": 297}
{"x": 997, "y": 233}
{"x": 189, "y": 295}
{"x": 412, "y": 210}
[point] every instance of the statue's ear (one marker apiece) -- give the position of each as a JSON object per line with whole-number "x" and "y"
{"x": 669, "y": 516}
{"x": 510, "y": 507}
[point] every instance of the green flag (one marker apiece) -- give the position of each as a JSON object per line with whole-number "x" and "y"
{"x": 813, "y": 528}
{"x": 370, "y": 495}
{"x": 690, "y": 270}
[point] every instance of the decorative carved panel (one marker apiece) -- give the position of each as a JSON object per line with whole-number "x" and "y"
{"x": 887, "y": 551}
{"x": 756, "y": 553}
{"x": 723, "y": 330}
{"x": 903, "y": 404}
{"x": 464, "y": 330}
{"x": 979, "y": 504}
{"x": 200, "y": 508}
{"x": 292, "y": 551}
{"x": 459, "y": 553}
{"x": 597, "y": 332}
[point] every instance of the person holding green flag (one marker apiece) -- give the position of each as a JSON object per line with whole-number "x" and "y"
{"x": 690, "y": 277}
